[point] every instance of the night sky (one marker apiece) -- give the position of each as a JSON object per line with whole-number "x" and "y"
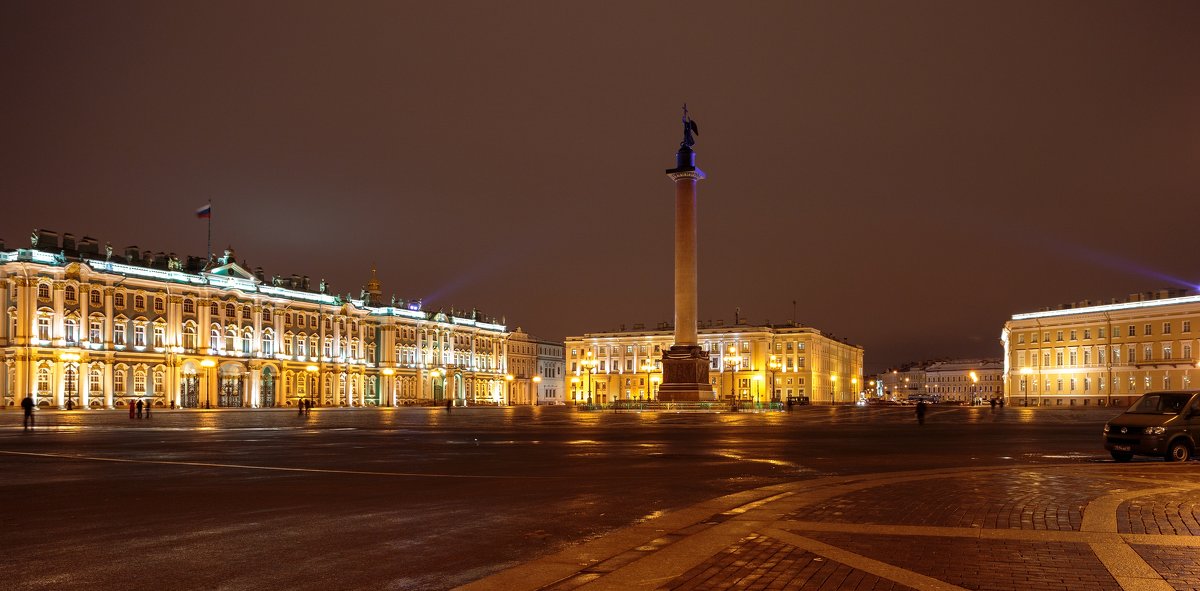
{"x": 910, "y": 173}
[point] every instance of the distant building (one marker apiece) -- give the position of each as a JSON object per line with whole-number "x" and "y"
{"x": 972, "y": 381}
{"x": 1098, "y": 354}
{"x": 90, "y": 328}
{"x": 904, "y": 383}
{"x": 768, "y": 363}
{"x": 551, "y": 367}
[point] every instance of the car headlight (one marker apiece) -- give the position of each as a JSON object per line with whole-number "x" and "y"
{"x": 1156, "y": 430}
{"x": 1106, "y": 427}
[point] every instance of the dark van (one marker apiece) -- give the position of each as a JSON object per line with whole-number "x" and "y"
{"x": 1161, "y": 424}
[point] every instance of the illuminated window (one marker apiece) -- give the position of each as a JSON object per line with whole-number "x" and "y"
{"x": 1147, "y": 353}
{"x": 119, "y": 300}
{"x": 189, "y": 306}
{"x": 119, "y": 380}
{"x": 189, "y": 336}
{"x": 94, "y": 297}
{"x": 1166, "y": 351}
{"x": 160, "y": 305}
{"x": 96, "y": 330}
{"x": 43, "y": 381}
{"x": 70, "y": 293}
{"x": 43, "y": 291}
{"x": 139, "y": 335}
{"x": 139, "y": 302}
{"x": 139, "y": 382}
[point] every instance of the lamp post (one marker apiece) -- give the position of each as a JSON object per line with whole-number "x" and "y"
{"x": 774, "y": 365}
{"x": 509, "y": 378}
{"x": 648, "y": 367}
{"x": 854, "y": 387}
{"x": 387, "y": 380}
{"x": 207, "y": 364}
{"x": 757, "y": 379}
{"x": 653, "y": 381}
{"x": 732, "y": 360}
{"x": 1025, "y": 371}
{"x": 974, "y": 385}
{"x": 833, "y": 389}
{"x": 71, "y": 372}
{"x": 589, "y": 363}
{"x": 537, "y": 385}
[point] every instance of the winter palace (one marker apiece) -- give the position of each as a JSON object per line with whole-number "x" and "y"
{"x": 88, "y": 328}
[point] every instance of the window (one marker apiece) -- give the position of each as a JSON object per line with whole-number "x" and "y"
{"x": 189, "y": 306}
{"x": 1074, "y": 356}
{"x": 214, "y": 309}
{"x": 139, "y": 302}
{"x": 119, "y": 300}
{"x": 1073, "y": 335}
{"x": 1087, "y": 356}
{"x": 1060, "y": 385}
{"x": 96, "y": 330}
{"x": 119, "y": 380}
{"x": 1058, "y": 336}
{"x": 70, "y": 294}
{"x": 1100, "y": 332}
{"x": 94, "y": 297}
{"x": 214, "y": 338}
{"x": 158, "y": 382}
{"x": 71, "y": 330}
{"x": 1187, "y": 326}
{"x": 1058, "y": 358}
{"x": 1166, "y": 351}
{"x": 43, "y": 381}
{"x": 43, "y": 291}
{"x": 247, "y": 338}
{"x": 247, "y": 313}
{"x": 43, "y": 327}
{"x": 268, "y": 343}
{"x": 1087, "y": 333}
{"x": 1147, "y": 353}
{"x": 160, "y": 305}
{"x": 119, "y": 329}
{"x": 229, "y": 311}
{"x": 1021, "y": 339}
{"x": 1166, "y": 328}
{"x": 1187, "y": 352}
{"x": 189, "y": 336}
{"x": 1147, "y": 330}
{"x": 160, "y": 335}
{"x": 139, "y": 382}
{"x": 96, "y": 382}
{"x": 139, "y": 335}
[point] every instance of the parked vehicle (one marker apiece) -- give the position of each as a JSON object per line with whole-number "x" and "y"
{"x": 1163, "y": 424}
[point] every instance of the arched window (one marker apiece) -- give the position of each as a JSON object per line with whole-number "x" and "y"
{"x": 94, "y": 297}
{"x": 158, "y": 382}
{"x": 43, "y": 291}
{"x": 268, "y": 343}
{"x": 189, "y": 335}
{"x": 120, "y": 330}
{"x": 96, "y": 329}
{"x": 119, "y": 300}
{"x": 231, "y": 338}
{"x": 229, "y": 311}
{"x": 43, "y": 381}
{"x": 287, "y": 344}
{"x": 189, "y": 306}
{"x": 119, "y": 380}
{"x": 70, "y": 293}
{"x": 214, "y": 337}
{"x": 160, "y": 305}
{"x": 266, "y": 315}
{"x": 160, "y": 334}
{"x": 247, "y": 313}
{"x": 139, "y": 382}
{"x": 247, "y": 339}
{"x": 214, "y": 309}
{"x": 43, "y": 324}
{"x": 301, "y": 345}
{"x": 71, "y": 330}
{"x": 139, "y": 302}
{"x": 96, "y": 382}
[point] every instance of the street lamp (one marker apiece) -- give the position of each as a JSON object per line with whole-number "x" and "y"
{"x": 854, "y": 386}
{"x": 71, "y": 359}
{"x": 732, "y": 360}
{"x": 1025, "y": 371}
{"x": 833, "y": 388}
{"x": 509, "y": 378}
{"x": 654, "y": 380}
{"x": 388, "y": 373}
{"x": 537, "y": 385}
{"x": 774, "y": 365}
{"x": 974, "y": 385}
{"x": 207, "y": 364}
{"x": 589, "y": 363}
{"x": 648, "y": 367}
{"x": 757, "y": 379}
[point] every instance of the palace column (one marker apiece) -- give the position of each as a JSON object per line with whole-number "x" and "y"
{"x": 685, "y": 364}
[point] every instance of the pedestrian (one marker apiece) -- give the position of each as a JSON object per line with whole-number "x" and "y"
{"x": 1001, "y": 403}
{"x": 131, "y": 409}
{"x": 449, "y": 403}
{"x": 789, "y": 404}
{"x": 921, "y": 412}
{"x": 307, "y": 407}
{"x": 993, "y": 401}
{"x": 172, "y": 404}
{"x": 149, "y": 403}
{"x": 139, "y": 409}
{"x": 27, "y": 405}
{"x": 300, "y": 408}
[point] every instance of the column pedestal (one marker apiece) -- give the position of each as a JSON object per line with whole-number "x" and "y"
{"x": 685, "y": 375}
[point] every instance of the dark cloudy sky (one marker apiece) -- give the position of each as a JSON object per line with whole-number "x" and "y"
{"x": 910, "y": 173}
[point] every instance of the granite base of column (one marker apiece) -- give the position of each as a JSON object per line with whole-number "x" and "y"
{"x": 685, "y": 375}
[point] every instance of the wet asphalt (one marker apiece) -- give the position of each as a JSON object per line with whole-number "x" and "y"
{"x": 416, "y": 498}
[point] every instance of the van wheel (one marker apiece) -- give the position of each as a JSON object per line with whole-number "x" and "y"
{"x": 1122, "y": 456}
{"x": 1179, "y": 451}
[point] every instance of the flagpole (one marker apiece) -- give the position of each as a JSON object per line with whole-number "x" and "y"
{"x": 207, "y": 261}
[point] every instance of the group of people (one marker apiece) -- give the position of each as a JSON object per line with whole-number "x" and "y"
{"x": 135, "y": 410}
{"x": 304, "y": 408}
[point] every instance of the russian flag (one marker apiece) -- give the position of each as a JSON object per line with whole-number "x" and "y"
{"x": 204, "y": 212}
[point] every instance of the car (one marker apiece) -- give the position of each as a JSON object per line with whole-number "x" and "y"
{"x": 1162, "y": 424}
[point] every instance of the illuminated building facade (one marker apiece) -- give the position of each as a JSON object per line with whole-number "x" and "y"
{"x": 766, "y": 364}
{"x": 536, "y": 369}
{"x": 89, "y": 329}
{"x": 1094, "y": 354}
{"x": 973, "y": 381}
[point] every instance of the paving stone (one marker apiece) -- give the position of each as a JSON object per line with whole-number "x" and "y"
{"x": 1170, "y": 514}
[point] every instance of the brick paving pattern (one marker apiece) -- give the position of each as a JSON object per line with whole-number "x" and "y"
{"x": 1170, "y": 514}
{"x": 985, "y": 565}
{"x": 758, "y": 562}
{"x": 1179, "y": 566}
{"x": 1022, "y": 500}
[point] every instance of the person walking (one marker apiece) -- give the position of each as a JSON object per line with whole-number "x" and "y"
{"x": 131, "y": 408}
{"x": 307, "y": 407}
{"x": 139, "y": 409}
{"x": 449, "y": 404}
{"x": 149, "y": 403}
{"x": 27, "y": 406}
{"x": 921, "y": 408}
{"x": 300, "y": 408}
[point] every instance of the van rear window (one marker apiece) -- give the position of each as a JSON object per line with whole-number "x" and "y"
{"x": 1160, "y": 404}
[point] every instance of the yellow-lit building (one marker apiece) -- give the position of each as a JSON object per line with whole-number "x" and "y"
{"x": 1103, "y": 354}
{"x": 748, "y": 363}
{"x": 88, "y": 328}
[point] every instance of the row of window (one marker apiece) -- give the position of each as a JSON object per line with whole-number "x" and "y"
{"x": 1085, "y": 385}
{"x": 1072, "y": 357}
{"x": 1147, "y": 330}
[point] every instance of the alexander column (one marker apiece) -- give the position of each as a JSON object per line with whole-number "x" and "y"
{"x": 685, "y": 364}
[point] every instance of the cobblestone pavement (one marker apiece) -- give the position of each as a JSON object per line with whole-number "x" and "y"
{"x": 1044, "y": 527}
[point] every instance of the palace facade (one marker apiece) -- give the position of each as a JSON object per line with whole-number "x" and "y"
{"x": 757, "y": 364}
{"x": 89, "y": 329}
{"x": 1103, "y": 354}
